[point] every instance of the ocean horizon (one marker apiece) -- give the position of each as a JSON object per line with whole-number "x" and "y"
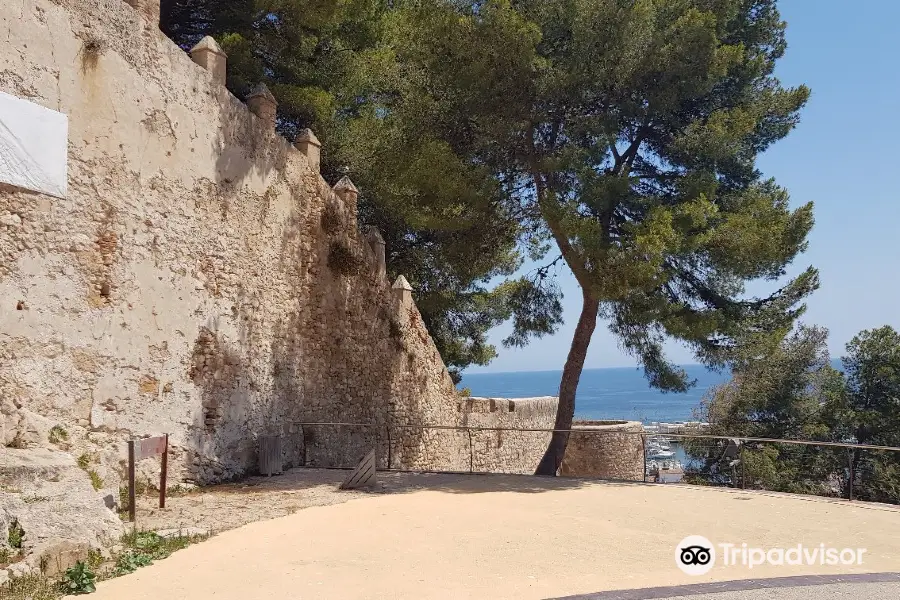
{"x": 605, "y": 393}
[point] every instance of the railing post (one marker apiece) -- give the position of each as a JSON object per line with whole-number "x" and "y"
{"x": 741, "y": 458}
{"x": 303, "y": 441}
{"x": 387, "y": 428}
{"x": 131, "y": 511}
{"x": 163, "y": 475}
{"x": 850, "y": 486}
{"x": 644, "y": 451}
{"x": 471, "y": 454}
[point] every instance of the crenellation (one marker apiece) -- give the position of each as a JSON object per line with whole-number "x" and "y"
{"x": 308, "y": 144}
{"x": 262, "y": 103}
{"x": 209, "y": 55}
{"x": 376, "y": 243}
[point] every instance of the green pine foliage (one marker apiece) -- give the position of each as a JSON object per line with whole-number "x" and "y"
{"x": 791, "y": 391}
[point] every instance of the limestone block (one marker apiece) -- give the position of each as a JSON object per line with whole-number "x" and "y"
{"x": 263, "y": 104}
{"x": 209, "y": 55}
{"x": 10, "y": 421}
{"x": 54, "y": 557}
{"x": 311, "y": 147}
{"x": 53, "y": 501}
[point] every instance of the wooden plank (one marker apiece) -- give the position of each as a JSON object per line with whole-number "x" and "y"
{"x": 270, "y": 455}
{"x": 363, "y": 475}
{"x": 148, "y": 447}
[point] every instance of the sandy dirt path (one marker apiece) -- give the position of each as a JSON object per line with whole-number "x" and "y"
{"x": 506, "y": 537}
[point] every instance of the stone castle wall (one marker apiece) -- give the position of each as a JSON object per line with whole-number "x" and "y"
{"x": 605, "y": 450}
{"x": 501, "y": 451}
{"x": 201, "y": 278}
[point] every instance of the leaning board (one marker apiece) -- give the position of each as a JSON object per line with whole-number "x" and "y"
{"x": 363, "y": 475}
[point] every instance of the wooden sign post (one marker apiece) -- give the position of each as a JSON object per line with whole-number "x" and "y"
{"x": 146, "y": 448}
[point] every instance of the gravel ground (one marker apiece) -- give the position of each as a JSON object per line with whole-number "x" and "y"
{"x": 222, "y": 507}
{"x": 443, "y": 536}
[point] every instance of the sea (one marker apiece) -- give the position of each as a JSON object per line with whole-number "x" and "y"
{"x": 618, "y": 393}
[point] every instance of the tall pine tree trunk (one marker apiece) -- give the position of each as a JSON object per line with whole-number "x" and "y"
{"x": 568, "y": 385}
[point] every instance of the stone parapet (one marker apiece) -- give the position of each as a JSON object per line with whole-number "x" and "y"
{"x": 605, "y": 450}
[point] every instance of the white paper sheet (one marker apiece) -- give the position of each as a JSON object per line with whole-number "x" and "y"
{"x": 33, "y": 146}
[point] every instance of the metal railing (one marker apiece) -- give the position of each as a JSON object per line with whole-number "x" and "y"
{"x": 756, "y": 465}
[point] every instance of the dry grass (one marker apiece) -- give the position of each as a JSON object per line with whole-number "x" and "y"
{"x": 141, "y": 548}
{"x": 31, "y": 587}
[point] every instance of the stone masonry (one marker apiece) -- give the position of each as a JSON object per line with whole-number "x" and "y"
{"x": 201, "y": 279}
{"x": 605, "y": 450}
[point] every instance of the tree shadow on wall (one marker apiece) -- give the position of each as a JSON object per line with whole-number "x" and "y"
{"x": 333, "y": 357}
{"x": 216, "y": 369}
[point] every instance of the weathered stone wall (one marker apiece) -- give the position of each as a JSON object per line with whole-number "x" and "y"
{"x": 606, "y": 450}
{"x": 201, "y": 279}
{"x": 187, "y": 284}
{"x": 502, "y": 451}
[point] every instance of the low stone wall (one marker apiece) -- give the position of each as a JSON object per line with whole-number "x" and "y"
{"x": 502, "y": 451}
{"x": 606, "y": 450}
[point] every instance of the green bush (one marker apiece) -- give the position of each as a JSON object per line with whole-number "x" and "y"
{"x": 96, "y": 480}
{"x": 16, "y": 534}
{"x": 84, "y": 461}
{"x": 343, "y": 260}
{"x": 79, "y": 579}
{"x": 130, "y": 562}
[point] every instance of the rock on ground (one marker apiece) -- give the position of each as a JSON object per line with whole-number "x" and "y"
{"x": 55, "y": 504}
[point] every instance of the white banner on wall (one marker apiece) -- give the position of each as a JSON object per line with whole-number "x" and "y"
{"x": 33, "y": 146}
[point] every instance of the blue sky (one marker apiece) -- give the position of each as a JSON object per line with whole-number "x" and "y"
{"x": 842, "y": 156}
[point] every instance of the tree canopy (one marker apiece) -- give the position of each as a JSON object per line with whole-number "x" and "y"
{"x": 627, "y": 133}
{"x": 791, "y": 391}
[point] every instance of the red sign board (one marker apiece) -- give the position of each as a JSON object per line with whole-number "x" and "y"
{"x": 148, "y": 447}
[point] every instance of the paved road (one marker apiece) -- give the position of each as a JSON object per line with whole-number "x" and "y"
{"x": 864, "y": 591}
{"x": 507, "y": 537}
{"x": 874, "y": 586}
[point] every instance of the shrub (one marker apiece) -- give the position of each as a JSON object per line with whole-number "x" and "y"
{"x": 331, "y": 220}
{"x": 96, "y": 480}
{"x": 79, "y": 579}
{"x": 16, "y": 534}
{"x": 84, "y": 461}
{"x": 342, "y": 259}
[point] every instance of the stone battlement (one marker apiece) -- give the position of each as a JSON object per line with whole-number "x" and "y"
{"x": 540, "y": 404}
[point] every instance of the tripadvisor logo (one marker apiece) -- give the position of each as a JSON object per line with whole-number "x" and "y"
{"x": 696, "y": 555}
